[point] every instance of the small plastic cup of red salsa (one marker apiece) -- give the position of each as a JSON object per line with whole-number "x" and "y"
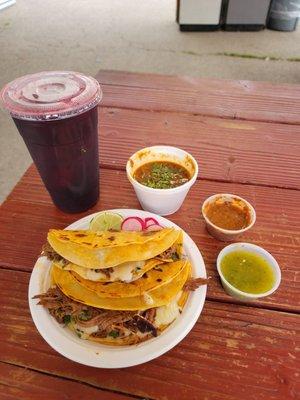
{"x": 227, "y": 216}
{"x": 161, "y": 177}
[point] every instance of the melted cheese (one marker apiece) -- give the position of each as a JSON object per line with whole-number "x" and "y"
{"x": 91, "y": 274}
{"x": 148, "y": 299}
{"x": 168, "y": 313}
{"x": 124, "y": 272}
{"x": 85, "y": 332}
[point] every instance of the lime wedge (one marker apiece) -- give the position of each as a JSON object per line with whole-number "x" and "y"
{"x": 104, "y": 221}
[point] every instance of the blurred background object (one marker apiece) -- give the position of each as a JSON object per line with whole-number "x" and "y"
{"x": 6, "y": 3}
{"x": 284, "y": 15}
{"x": 246, "y": 15}
{"x": 237, "y": 15}
{"x": 199, "y": 15}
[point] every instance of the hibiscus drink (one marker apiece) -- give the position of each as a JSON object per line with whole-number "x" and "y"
{"x": 56, "y": 115}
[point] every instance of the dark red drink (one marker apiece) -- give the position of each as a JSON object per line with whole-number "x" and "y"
{"x": 56, "y": 115}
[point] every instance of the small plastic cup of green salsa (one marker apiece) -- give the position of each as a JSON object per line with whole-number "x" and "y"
{"x": 248, "y": 272}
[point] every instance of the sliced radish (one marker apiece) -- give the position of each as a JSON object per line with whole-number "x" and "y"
{"x": 133, "y": 224}
{"x": 151, "y": 221}
{"x": 154, "y": 227}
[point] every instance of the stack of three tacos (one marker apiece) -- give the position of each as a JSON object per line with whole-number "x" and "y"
{"x": 116, "y": 288}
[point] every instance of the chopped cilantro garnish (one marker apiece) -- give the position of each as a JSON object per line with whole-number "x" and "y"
{"x": 85, "y": 315}
{"x": 66, "y": 319}
{"x": 162, "y": 175}
{"x": 175, "y": 256}
{"x": 113, "y": 333}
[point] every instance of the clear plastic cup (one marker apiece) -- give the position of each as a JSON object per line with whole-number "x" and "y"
{"x": 56, "y": 115}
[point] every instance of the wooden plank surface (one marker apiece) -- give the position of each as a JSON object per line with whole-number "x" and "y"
{"x": 233, "y": 352}
{"x": 29, "y": 211}
{"x": 258, "y": 101}
{"x": 226, "y": 150}
{"x": 22, "y": 383}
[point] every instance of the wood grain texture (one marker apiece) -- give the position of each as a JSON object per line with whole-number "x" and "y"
{"x": 233, "y": 352}
{"x": 277, "y": 228}
{"x": 245, "y": 136}
{"x": 21, "y": 383}
{"x": 257, "y": 101}
{"x": 226, "y": 150}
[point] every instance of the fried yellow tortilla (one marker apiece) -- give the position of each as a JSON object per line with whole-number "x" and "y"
{"x": 126, "y": 272}
{"x": 156, "y": 277}
{"x": 97, "y": 250}
{"x": 154, "y": 298}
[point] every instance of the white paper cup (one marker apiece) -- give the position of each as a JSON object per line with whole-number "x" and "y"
{"x": 161, "y": 201}
{"x": 252, "y": 248}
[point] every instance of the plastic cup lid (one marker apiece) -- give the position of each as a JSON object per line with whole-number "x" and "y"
{"x": 50, "y": 95}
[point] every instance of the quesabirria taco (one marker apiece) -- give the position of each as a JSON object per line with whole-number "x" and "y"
{"x": 117, "y": 288}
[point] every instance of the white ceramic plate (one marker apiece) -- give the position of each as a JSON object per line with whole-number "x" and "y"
{"x": 101, "y": 356}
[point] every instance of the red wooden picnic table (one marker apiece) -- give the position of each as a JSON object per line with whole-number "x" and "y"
{"x": 246, "y": 139}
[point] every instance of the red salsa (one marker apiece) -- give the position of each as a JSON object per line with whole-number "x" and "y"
{"x": 162, "y": 175}
{"x": 231, "y": 215}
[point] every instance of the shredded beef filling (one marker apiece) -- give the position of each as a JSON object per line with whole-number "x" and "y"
{"x": 193, "y": 283}
{"x": 51, "y": 254}
{"x": 143, "y": 325}
{"x": 170, "y": 253}
{"x": 60, "y": 306}
{"x": 110, "y": 323}
{"x": 149, "y": 314}
{"x": 105, "y": 271}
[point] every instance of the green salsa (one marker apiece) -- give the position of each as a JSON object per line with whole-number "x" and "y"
{"x": 161, "y": 175}
{"x": 248, "y": 272}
